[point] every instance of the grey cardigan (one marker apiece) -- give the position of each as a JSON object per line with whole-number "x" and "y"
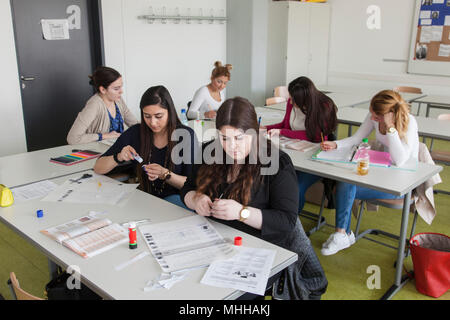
{"x": 94, "y": 119}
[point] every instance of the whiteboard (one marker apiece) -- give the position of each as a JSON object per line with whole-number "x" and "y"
{"x": 427, "y": 55}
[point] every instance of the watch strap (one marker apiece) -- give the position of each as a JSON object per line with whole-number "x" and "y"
{"x": 117, "y": 159}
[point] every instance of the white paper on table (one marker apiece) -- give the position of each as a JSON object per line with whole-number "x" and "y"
{"x": 55, "y": 29}
{"x": 91, "y": 191}
{"x": 270, "y": 114}
{"x": 444, "y": 50}
{"x": 248, "y": 270}
{"x": 33, "y": 190}
{"x": 185, "y": 243}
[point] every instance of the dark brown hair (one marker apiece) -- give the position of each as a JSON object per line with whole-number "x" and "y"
{"x": 157, "y": 95}
{"x": 319, "y": 109}
{"x": 103, "y": 77}
{"x": 240, "y": 114}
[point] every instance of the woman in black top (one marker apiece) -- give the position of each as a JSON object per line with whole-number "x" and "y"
{"x": 159, "y": 133}
{"x": 251, "y": 186}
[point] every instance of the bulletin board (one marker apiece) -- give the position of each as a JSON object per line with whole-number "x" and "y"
{"x": 430, "y": 38}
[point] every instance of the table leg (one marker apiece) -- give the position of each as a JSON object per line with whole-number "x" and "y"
{"x": 399, "y": 280}
{"x": 53, "y": 269}
{"x": 349, "y": 130}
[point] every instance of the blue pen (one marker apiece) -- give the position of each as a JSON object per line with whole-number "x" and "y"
{"x": 259, "y": 120}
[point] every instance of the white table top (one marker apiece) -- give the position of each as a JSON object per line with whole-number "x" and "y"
{"x": 350, "y": 99}
{"x": 25, "y": 168}
{"x": 98, "y": 272}
{"x": 434, "y": 99}
{"x": 428, "y": 127}
{"x": 390, "y": 180}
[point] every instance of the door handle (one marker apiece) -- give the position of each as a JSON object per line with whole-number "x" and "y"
{"x": 27, "y": 78}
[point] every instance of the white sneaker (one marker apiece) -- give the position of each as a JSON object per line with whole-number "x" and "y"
{"x": 335, "y": 243}
{"x": 351, "y": 238}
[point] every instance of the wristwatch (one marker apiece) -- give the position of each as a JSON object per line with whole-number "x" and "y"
{"x": 244, "y": 214}
{"x": 166, "y": 175}
{"x": 117, "y": 159}
{"x": 392, "y": 130}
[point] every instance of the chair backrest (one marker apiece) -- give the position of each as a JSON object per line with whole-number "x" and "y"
{"x": 408, "y": 89}
{"x": 444, "y": 117}
{"x": 281, "y": 91}
{"x": 20, "y": 293}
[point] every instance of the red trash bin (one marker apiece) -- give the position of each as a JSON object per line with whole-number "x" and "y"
{"x": 431, "y": 258}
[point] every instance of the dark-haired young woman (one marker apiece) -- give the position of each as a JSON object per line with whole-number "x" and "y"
{"x": 159, "y": 174}
{"x": 240, "y": 188}
{"x": 310, "y": 115}
{"x": 105, "y": 113}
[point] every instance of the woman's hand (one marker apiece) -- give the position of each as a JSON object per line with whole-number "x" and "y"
{"x": 154, "y": 171}
{"x": 328, "y": 145}
{"x": 110, "y": 135}
{"x": 210, "y": 114}
{"x": 226, "y": 209}
{"x": 127, "y": 154}
{"x": 201, "y": 203}
{"x": 273, "y": 132}
{"x": 389, "y": 120}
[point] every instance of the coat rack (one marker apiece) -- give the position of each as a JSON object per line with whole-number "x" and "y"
{"x": 188, "y": 18}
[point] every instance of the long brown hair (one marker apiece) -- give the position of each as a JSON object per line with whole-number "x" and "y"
{"x": 320, "y": 111}
{"x": 157, "y": 95}
{"x": 238, "y": 113}
{"x": 390, "y": 101}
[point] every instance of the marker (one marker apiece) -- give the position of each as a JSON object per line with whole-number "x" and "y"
{"x": 259, "y": 120}
{"x": 132, "y": 235}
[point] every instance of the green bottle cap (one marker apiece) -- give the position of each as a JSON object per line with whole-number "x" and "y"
{"x": 365, "y": 140}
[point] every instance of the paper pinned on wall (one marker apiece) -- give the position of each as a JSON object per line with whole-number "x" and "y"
{"x": 447, "y": 21}
{"x": 426, "y": 34}
{"x": 438, "y": 1}
{"x": 425, "y": 14}
{"x": 426, "y": 22}
{"x": 444, "y": 50}
{"x": 436, "y": 33}
{"x": 55, "y": 29}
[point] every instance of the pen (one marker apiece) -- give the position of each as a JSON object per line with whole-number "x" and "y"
{"x": 259, "y": 120}
{"x": 321, "y": 135}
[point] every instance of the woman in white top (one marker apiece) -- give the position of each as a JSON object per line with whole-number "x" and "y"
{"x": 396, "y": 129}
{"x": 209, "y": 98}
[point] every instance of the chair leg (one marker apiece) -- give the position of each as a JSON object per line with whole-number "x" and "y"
{"x": 320, "y": 220}
{"x": 418, "y": 109}
{"x": 13, "y": 293}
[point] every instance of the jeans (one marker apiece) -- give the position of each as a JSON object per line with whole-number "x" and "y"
{"x": 175, "y": 199}
{"x": 346, "y": 193}
{"x": 305, "y": 180}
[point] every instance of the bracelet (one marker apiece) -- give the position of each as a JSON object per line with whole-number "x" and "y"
{"x": 166, "y": 176}
{"x": 117, "y": 159}
{"x": 100, "y": 136}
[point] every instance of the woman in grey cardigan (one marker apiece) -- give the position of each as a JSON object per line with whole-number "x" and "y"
{"x": 105, "y": 113}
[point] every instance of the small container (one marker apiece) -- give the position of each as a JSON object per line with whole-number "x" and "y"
{"x": 132, "y": 235}
{"x": 40, "y": 214}
{"x": 363, "y": 161}
{"x": 238, "y": 241}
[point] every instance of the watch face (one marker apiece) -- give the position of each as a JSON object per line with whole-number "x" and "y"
{"x": 245, "y": 213}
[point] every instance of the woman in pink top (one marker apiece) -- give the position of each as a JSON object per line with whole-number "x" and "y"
{"x": 310, "y": 115}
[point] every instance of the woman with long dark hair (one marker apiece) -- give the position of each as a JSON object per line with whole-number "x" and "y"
{"x": 159, "y": 174}
{"x": 236, "y": 185}
{"x": 310, "y": 115}
{"x": 105, "y": 114}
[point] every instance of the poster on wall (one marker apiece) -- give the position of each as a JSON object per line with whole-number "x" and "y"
{"x": 430, "y": 38}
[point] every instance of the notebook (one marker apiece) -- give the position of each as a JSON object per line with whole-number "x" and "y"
{"x": 294, "y": 144}
{"x": 88, "y": 236}
{"x": 75, "y": 157}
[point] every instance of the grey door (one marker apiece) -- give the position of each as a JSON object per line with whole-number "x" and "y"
{"x": 54, "y": 73}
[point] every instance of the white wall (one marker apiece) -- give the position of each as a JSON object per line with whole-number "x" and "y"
{"x": 12, "y": 130}
{"x": 178, "y": 56}
{"x": 357, "y": 53}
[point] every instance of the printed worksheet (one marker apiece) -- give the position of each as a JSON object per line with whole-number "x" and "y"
{"x": 185, "y": 243}
{"x": 248, "y": 270}
{"x": 33, "y": 190}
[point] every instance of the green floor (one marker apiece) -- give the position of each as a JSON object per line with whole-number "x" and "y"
{"x": 346, "y": 271}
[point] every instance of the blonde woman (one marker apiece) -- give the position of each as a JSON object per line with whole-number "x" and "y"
{"x": 209, "y": 98}
{"x": 396, "y": 130}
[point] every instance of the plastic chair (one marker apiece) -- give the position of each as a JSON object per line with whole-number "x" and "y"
{"x": 410, "y": 90}
{"x": 441, "y": 155}
{"x": 17, "y": 292}
{"x": 274, "y": 100}
{"x": 282, "y": 92}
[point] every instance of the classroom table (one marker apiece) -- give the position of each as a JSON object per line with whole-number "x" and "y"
{"x": 393, "y": 181}
{"x": 434, "y": 102}
{"x": 427, "y": 127}
{"x": 29, "y": 167}
{"x": 98, "y": 272}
